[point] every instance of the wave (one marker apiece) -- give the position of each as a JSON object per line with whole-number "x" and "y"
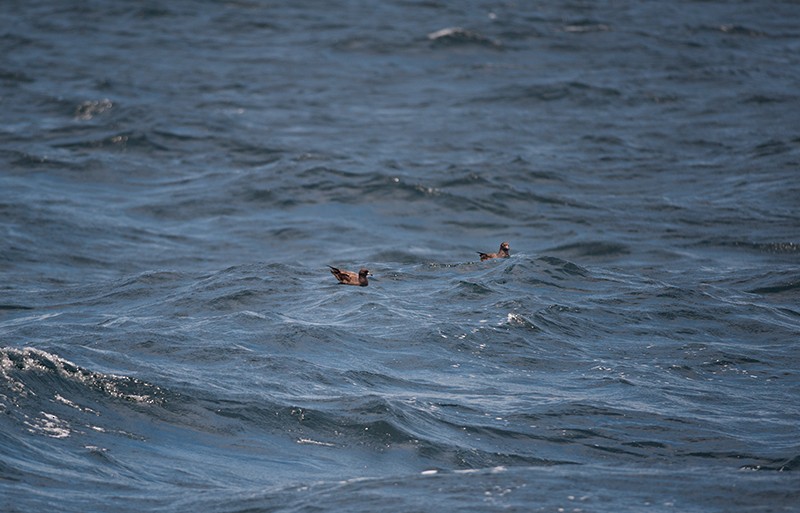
{"x": 779, "y": 288}
{"x": 580, "y": 93}
{"x": 48, "y": 395}
{"x": 457, "y": 36}
{"x": 766, "y": 247}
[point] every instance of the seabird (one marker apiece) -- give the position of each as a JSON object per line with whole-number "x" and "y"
{"x": 351, "y": 278}
{"x": 503, "y": 253}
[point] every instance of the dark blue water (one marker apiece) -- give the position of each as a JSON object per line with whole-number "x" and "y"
{"x": 175, "y": 177}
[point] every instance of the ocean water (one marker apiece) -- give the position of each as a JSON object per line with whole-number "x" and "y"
{"x": 175, "y": 178}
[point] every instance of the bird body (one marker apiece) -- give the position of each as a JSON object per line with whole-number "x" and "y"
{"x": 351, "y": 278}
{"x": 502, "y": 253}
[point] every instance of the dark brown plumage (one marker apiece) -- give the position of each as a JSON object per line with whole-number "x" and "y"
{"x": 351, "y": 278}
{"x": 503, "y": 253}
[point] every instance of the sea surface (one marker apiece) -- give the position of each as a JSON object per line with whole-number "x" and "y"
{"x": 175, "y": 178}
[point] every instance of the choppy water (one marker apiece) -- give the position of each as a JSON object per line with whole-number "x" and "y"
{"x": 174, "y": 179}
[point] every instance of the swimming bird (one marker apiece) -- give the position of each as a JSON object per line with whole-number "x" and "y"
{"x": 351, "y": 278}
{"x": 503, "y": 253}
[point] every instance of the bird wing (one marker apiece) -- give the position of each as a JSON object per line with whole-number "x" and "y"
{"x": 342, "y": 276}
